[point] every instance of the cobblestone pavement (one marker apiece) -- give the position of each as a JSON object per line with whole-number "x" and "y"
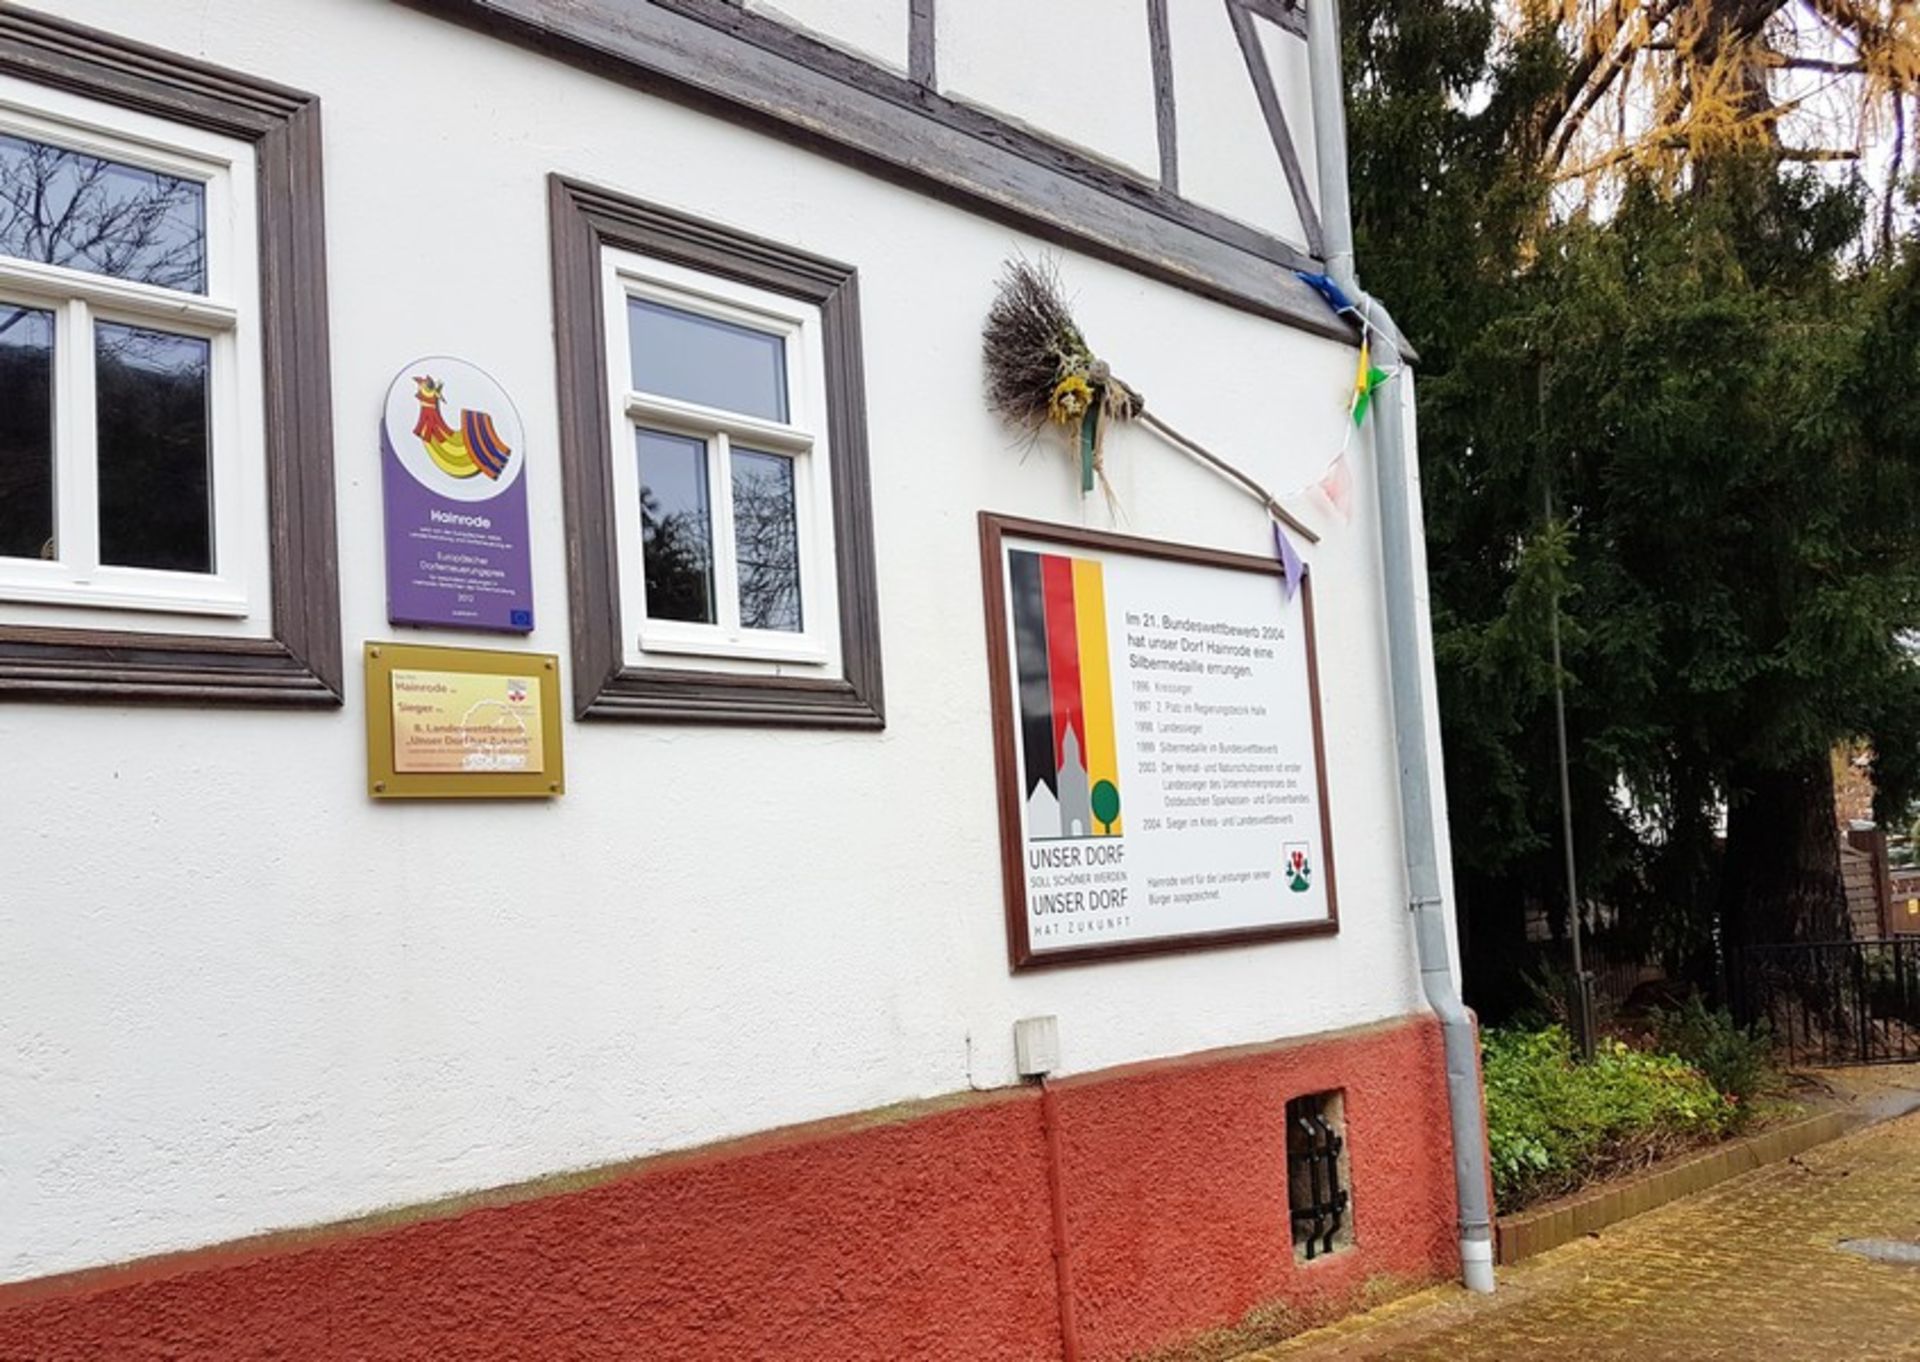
{"x": 1746, "y": 1271}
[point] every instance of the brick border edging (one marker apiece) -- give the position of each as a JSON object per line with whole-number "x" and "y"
{"x": 1522, "y": 1236}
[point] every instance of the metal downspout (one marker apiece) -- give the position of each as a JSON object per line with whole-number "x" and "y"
{"x": 1390, "y": 446}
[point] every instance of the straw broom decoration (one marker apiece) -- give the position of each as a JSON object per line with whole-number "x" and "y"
{"x": 1041, "y": 372}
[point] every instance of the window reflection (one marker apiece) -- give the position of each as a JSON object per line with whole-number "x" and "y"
{"x": 706, "y": 360}
{"x": 61, "y": 207}
{"x": 155, "y": 486}
{"x": 26, "y": 433}
{"x": 766, "y": 541}
{"x": 676, "y": 527}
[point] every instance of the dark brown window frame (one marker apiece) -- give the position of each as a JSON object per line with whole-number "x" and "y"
{"x": 586, "y": 222}
{"x": 300, "y": 663}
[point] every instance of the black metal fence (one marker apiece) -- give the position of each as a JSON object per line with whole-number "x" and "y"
{"x": 1835, "y": 1002}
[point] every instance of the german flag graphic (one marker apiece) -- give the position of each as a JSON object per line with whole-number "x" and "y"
{"x": 1069, "y": 762}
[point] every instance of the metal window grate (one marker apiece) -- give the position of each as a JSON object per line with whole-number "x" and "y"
{"x": 1834, "y": 1002}
{"x": 1316, "y": 1175}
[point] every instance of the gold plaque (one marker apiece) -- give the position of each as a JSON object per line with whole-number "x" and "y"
{"x": 462, "y": 723}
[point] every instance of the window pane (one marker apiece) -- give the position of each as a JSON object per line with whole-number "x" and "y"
{"x": 155, "y": 507}
{"x": 676, "y": 527}
{"x": 767, "y": 541}
{"x": 715, "y": 363}
{"x": 61, "y": 207}
{"x": 26, "y": 433}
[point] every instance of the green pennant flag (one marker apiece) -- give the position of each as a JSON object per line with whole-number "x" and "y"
{"x": 1363, "y": 393}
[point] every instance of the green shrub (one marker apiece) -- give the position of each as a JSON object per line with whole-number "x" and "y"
{"x": 1736, "y": 1060}
{"x": 1554, "y": 1124}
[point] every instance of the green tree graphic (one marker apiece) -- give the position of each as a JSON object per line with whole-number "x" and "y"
{"x": 1106, "y": 803}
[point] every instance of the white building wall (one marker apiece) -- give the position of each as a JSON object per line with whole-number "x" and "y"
{"x": 1286, "y": 55}
{"x": 873, "y": 29}
{"x": 1080, "y": 71}
{"x": 1227, "y": 158}
{"x": 241, "y": 996}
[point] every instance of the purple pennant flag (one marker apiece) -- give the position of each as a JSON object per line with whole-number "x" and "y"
{"x": 1292, "y": 569}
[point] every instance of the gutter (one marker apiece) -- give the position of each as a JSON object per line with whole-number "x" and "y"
{"x": 1391, "y": 444}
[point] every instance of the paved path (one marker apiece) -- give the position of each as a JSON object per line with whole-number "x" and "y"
{"x": 1747, "y": 1271}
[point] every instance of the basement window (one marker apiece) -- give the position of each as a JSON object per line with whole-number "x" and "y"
{"x": 1317, "y": 1176}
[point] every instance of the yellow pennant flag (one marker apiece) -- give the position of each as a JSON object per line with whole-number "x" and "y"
{"x": 1365, "y": 379}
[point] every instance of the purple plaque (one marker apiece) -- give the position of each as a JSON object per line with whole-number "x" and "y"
{"x": 451, "y": 451}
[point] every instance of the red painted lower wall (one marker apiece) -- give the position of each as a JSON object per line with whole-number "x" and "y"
{"x": 928, "y": 1237}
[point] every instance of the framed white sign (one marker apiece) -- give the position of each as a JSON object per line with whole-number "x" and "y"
{"x": 1162, "y": 774}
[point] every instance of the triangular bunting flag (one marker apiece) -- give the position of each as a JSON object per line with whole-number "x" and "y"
{"x": 1292, "y": 569}
{"x": 1337, "y": 488}
{"x": 1322, "y": 284}
{"x": 1365, "y": 379}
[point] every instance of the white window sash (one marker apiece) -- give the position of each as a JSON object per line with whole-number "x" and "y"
{"x": 706, "y": 296}
{"x": 78, "y": 299}
{"x": 51, "y": 285}
{"x": 728, "y": 636}
{"x": 726, "y": 639}
{"x": 76, "y": 575}
{"x": 645, "y": 409}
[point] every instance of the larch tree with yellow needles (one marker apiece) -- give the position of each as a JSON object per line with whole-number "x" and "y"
{"x": 1661, "y": 88}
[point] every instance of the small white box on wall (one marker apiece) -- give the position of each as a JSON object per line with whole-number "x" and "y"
{"x": 1036, "y": 1046}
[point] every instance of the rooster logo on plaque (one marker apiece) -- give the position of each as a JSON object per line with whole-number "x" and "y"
{"x": 452, "y": 453}
{"x": 475, "y": 448}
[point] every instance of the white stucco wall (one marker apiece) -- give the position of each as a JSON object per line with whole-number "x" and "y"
{"x": 874, "y": 29}
{"x": 1227, "y": 158}
{"x": 1079, "y": 71}
{"x": 240, "y": 996}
